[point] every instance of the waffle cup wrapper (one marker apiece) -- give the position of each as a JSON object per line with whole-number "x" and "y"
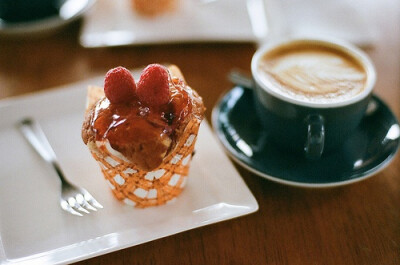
{"x": 148, "y": 188}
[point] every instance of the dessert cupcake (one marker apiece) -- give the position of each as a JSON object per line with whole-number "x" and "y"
{"x": 143, "y": 134}
{"x": 154, "y": 7}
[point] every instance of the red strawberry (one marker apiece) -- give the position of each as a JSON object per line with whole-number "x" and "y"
{"x": 153, "y": 85}
{"x": 119, "y": 85}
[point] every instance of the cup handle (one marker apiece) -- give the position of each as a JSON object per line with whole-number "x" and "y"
{"x": 239, "y": 78}
{"x": 314, "y": 145}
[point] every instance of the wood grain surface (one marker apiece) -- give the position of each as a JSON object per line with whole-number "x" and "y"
{"x": 354, "y": 224}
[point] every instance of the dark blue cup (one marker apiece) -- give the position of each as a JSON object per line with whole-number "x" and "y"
{"x": 310, "y": 128}
{"x": 17, "y": 11}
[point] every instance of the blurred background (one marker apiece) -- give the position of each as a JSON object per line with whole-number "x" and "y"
{"x": 47, "y": 43}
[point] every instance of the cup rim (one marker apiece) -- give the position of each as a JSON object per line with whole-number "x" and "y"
{"x": 343, "y": 46}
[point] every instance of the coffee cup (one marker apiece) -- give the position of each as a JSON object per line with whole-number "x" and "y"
{"x": 18, "y": 11}
{"x": 311, "y": 94}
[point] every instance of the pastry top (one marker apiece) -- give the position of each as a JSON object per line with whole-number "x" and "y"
{"x": 145, "y": 124}
{"x": 154, "y": 7}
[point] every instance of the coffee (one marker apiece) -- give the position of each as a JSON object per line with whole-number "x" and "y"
{"x": 312, "y": 73}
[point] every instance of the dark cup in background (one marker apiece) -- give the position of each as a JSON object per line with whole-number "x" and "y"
{"x": 17, "y": 11}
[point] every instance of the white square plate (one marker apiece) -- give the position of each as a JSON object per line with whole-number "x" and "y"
{"x": 35, "y": 230}
{"x": 114, "y": 23}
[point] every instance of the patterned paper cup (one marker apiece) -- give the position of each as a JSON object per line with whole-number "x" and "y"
{"x": 148, "y": 188}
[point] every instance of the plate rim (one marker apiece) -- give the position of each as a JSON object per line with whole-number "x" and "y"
{"x": 236, "y": 156}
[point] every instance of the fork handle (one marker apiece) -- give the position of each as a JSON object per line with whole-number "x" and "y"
{"x": 35, "y": 136}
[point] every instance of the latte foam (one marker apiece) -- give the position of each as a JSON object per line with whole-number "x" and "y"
{"x": 313, "y": 73}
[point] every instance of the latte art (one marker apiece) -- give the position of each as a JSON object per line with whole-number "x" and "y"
{"x": 313, "y": 74}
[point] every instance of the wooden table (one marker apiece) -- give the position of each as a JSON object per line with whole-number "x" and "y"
{"x": 354, "y": 224}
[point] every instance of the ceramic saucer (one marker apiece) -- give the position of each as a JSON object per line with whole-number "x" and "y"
{"x": 69, "y": 11}
{"x": 371, "y": 147}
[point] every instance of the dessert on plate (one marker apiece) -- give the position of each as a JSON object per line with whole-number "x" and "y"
{"x": 154, "y": 7}
{"x": 143, "y": 133}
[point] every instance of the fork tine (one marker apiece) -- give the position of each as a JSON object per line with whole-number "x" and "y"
{"x": 80, "y": 208}
{"x": 96, "y": 203}
{"x": 89, "y": 198}
{"x": 75, "y": 204}
{"x": 65, "y": 205}
{"x": 87, "y": 206}
{"x": 83, "y": 203}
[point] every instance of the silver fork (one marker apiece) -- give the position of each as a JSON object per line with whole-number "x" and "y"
{"x": 74, "y": 200}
